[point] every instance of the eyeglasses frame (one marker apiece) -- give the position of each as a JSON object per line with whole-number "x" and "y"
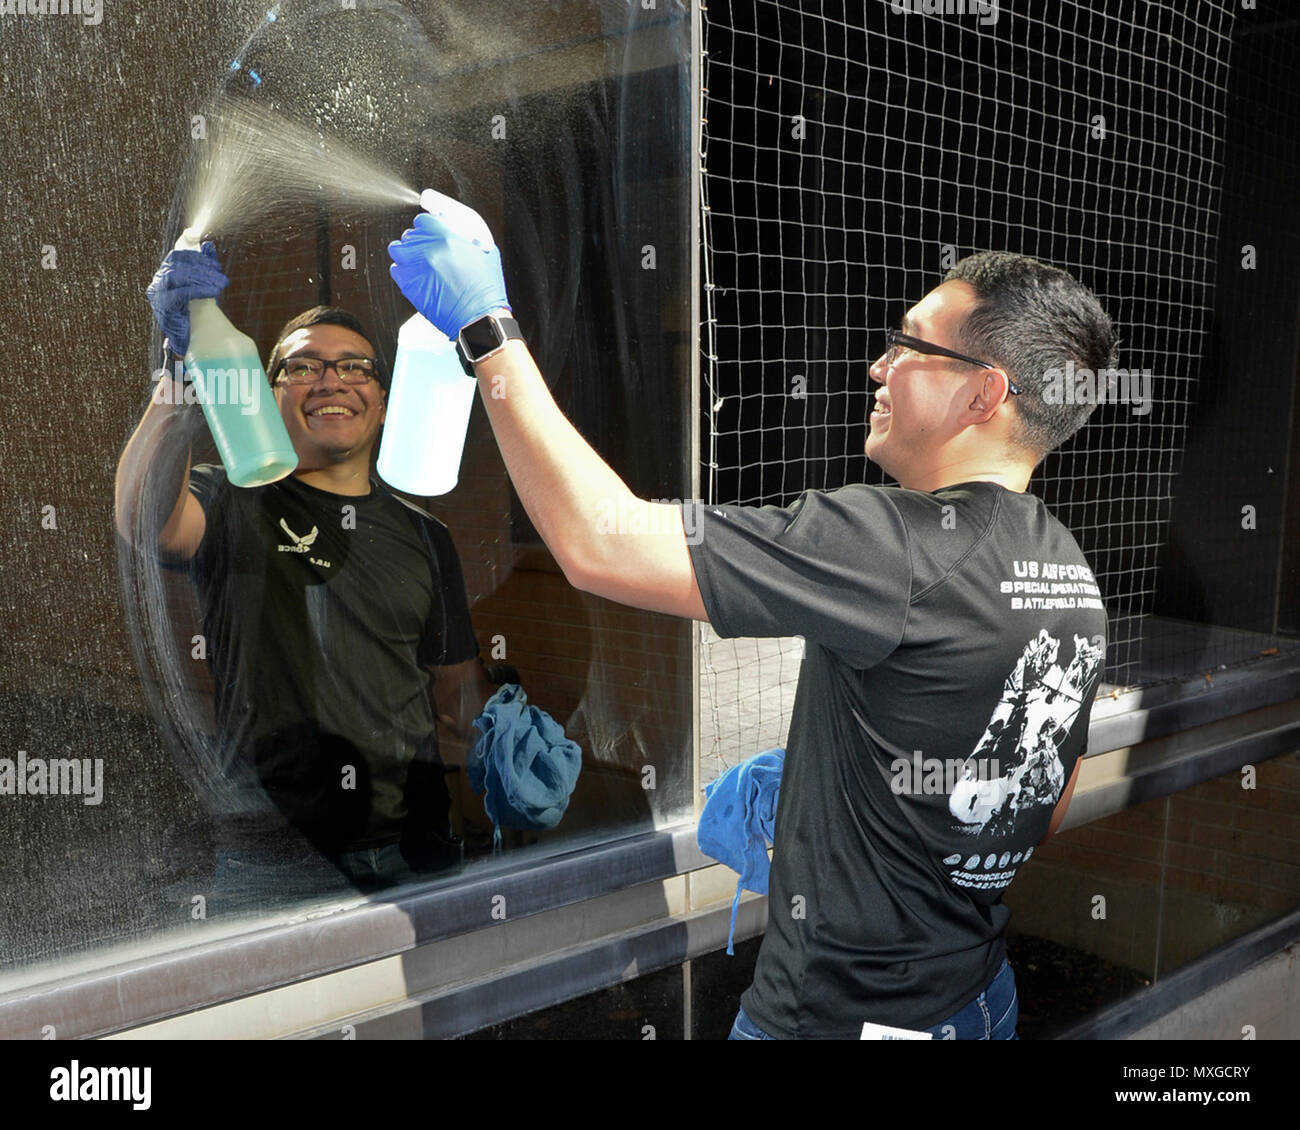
{"x": 279, "y": 374}
{"x": 895, "y": 339}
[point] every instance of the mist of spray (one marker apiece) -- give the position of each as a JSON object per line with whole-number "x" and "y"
{"x": 256, "y": 163}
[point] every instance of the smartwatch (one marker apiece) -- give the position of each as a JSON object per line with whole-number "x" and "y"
{"x": 485, "y": 336}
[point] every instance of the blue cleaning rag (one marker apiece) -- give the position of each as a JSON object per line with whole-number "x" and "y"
{"x": 522, "y": 762}
{"x": 738, "y": 822}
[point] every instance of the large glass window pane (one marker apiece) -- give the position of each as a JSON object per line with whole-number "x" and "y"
{"x": 256, "y": 747}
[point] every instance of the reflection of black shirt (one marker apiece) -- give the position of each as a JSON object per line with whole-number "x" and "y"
{"x": 954, "y": 642}
{"x": 321, "y": 612}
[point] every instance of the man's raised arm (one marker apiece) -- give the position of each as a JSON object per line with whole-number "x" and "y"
{"x": 582, "y": 509}
{"x": 152, "y": 501}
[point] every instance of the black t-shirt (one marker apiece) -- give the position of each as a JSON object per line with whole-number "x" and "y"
{"x": 953, "y": 644}
{"x": 321, "y": 613}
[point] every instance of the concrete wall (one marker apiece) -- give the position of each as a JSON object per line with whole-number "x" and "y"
{"x": 1263, "y": 1003}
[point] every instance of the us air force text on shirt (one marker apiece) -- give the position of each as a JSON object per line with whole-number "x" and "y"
{"x": 1052, "y": 584}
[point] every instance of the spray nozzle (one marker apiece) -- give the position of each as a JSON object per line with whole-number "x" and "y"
{"x": 191, "y": 240}
{"x": 460, "y": 218}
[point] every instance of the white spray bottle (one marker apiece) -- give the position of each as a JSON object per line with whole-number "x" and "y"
{"x": 431, "y": 397}
{"x": 227, "y": 373}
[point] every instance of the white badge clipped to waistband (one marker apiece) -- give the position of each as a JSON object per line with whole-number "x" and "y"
{"x": 885, "y": 1032}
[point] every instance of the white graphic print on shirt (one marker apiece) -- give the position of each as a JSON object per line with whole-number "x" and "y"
{"x": 1040, "y": 701}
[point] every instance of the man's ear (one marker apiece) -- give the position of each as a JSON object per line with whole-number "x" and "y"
{"x": 988, "y": 398}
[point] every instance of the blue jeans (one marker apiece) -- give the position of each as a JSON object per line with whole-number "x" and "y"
{"x": 990, "y": 1016}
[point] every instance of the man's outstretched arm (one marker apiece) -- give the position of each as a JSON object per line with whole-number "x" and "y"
{"x": 152, "y": 500}
{"x": 582, "y": 509}
{"x": 449, "y": 267}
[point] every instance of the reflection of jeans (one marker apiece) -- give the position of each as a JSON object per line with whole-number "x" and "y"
{"x": 371, "y": 868}
{"x": 257, "y": 880}
{"x": 990, "y": 1016}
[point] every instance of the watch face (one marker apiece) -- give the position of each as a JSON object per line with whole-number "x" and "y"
{"x": 480, "y": 337}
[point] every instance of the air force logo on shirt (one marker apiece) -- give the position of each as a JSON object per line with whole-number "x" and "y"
{"x": 302, "y": 544}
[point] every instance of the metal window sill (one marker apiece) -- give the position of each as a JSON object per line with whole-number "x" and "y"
{"x": 151, "y": 987}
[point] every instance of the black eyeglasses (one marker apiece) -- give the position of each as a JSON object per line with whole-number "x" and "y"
{"x": 896, "y": 340}
{"x": 304, "y": 369}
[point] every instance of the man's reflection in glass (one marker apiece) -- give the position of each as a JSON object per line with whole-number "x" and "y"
{"x": 336, "y": 624}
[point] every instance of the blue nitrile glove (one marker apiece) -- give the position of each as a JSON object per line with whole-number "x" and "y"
{"x": 184, "y": 275}
{"x": 446, "y": 276}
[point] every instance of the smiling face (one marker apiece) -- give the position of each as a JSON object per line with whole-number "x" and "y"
{"x": 330, "y": 422}
{"x": 925, "y": 402}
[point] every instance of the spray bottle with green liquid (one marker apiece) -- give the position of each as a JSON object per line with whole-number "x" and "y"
{"x": 242, "y": 415}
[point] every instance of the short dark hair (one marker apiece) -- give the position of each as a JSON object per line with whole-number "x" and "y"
{"x": 1031, "y": 318}
{"x": 328, "y": 316}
